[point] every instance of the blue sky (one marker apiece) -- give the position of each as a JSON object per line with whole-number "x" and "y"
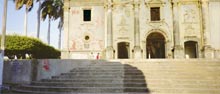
{"x": 15, "y": 23}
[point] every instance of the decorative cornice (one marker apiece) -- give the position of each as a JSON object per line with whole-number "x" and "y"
{"x": 155, "y": 3}
{"x": 198, "y": 3}
{"x": 214, "y": 0}
{"x": 66, "y": 5}
{"x": 87, "y": 2}
{"x": 108, "y": 5}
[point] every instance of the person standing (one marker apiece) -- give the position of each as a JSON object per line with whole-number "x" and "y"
{"x": 97, "y": 56}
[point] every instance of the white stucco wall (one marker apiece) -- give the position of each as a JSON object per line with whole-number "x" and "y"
{"x": 214, "y": 15}
{"x": 123, "y": 26}
{"x": 79, "y": 29}
{"x": 190, "y": 17}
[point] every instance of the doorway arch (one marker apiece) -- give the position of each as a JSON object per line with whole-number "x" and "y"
{"x": 191, "y": 49}
{"x": 155, "y": 47}
{"x": 123, "y": 50}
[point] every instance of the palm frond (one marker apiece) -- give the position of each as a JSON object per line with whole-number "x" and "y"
{"x": 19, "y": 4}
{"x": 29, "y": 4}
{"x": 53, "y": 9}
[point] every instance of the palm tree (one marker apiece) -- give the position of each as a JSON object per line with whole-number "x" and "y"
{"x": 60, "y": 29}
{"x": 48, "y": 9}
{"x": 38, "y": 19}
{"x": 54, "y": 10}
{"x": 59, "y": 4}
{"x": 29, "y": 5}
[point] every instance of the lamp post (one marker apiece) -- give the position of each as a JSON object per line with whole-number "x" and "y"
{"x": 3, "y": 41}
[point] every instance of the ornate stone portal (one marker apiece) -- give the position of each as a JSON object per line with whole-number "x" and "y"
{"x": 125, "y": 29}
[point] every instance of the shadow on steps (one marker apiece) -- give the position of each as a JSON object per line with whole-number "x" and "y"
{"x": 134, "y": 80}
{"x": 96, "y": 77}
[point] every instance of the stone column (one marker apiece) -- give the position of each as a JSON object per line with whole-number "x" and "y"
{"x": 65, "y": 51}
{"x": 178, "y": 48}
{"x": 208, "y": 51}
{"x": 109, "y": 48}
{"x": 137, "y": 48}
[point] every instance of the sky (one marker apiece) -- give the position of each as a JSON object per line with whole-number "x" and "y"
{"x": 15, "y": 23}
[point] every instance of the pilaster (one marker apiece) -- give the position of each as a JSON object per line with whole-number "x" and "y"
{"x": 65, "y": 51}
{"x": 137, "y": 48}
{"x": 109, "y": 48}
{"x": 208, "y": 50}
{"x": 178, "y": 49}
{"x": 178, "y": 52}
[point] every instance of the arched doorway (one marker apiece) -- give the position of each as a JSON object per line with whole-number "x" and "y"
{"x": 191, "y": 49}
{"x": 155, "y": 46}
{"x": 123, "y": 50}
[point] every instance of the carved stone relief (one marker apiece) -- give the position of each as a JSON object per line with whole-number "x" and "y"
{"x": 122, "y": 2}
{"x": 122, "y": 26}
{"x": 189, "y": 31}
{"x": 123, "y": 10}
{"x": 86, "y": 41}
{"x": 189, "y": 16}
{"x": 190, "y": 21}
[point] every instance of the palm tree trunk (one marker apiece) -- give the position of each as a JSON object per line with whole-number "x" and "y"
{"x": 48, "y": 34}
{"x": 25, "y": 21}
{"x": 38, "y": 21}
{"x": 59, "y": 43}
{"x": 4, "y": 17}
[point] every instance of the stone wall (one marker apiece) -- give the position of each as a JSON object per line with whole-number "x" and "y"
{"x": 129, "y": 21}
{"x": 25, "y": 71}
{"x": 83, "y": 37}
{"x": 17, "y": 71}
{"x": 214, "y": 18}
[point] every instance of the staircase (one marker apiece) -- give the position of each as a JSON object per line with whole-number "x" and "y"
{"x": 184, "y": 76}
{"x": 133, "y": 77}
{"x": 97, "y": 77}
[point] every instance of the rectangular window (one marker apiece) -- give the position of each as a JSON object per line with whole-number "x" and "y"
{"x": 87, "y": 15}
{"x": 155, "y": 13}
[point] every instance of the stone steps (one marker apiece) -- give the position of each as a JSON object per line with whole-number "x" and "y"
{"x": 41, "y": 92}
{"x": 133, "y": 77}
{"x": 131, "y": 84}
{"x": 92, "y": 78}
{"x": 184, "y": 91}
{"x": 89, "y": 84}
{"x": 102, "y": 73}
{"x": 102, "y": 76}
{"x": 83, "y": 89}
{"x": 110, "y": 80}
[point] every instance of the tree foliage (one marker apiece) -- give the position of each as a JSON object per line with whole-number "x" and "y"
{"x": 19, "y": 4}
{"x": 53, "y": 9}
{"x": 20, "y": 45}
{"x": 48, "y": 9}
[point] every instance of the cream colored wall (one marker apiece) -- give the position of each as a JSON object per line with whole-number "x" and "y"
{"x": 215, "y": 24}
{"x": 78, "y": 29}
{"x": 123, "y": 25}
{"x": 214, "y": 15}
{"x": 164, "y": 26}
{"x": 190, "y": 25}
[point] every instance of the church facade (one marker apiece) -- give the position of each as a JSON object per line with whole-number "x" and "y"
{"x": 141, "y": 29}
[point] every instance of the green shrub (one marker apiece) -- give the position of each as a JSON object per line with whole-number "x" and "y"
{"x": 21, "y": 45}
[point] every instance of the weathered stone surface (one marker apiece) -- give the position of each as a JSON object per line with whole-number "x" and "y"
{"x": 161, "y": 76}
{"x": 129, "y": 21}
